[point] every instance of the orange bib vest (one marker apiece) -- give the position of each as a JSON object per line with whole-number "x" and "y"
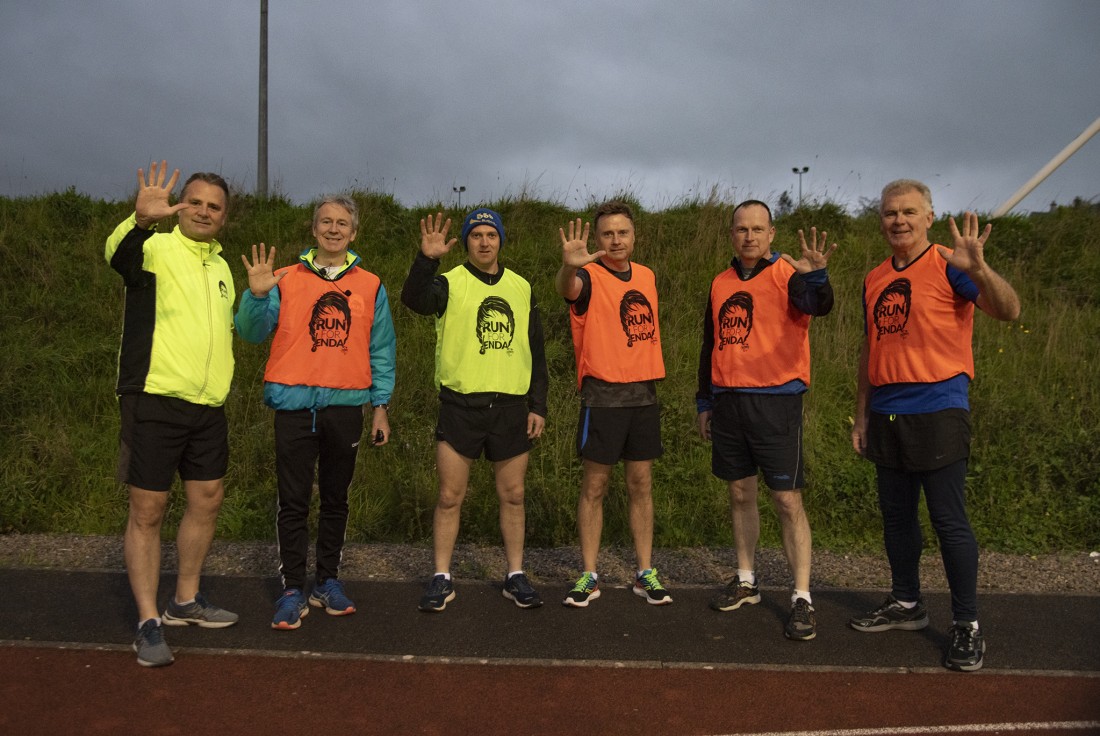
{"x": 760, "y": 338}
{"x": 324, "y": 330}
{"x": 618, "y": 339}
{"x": 918, "y": 329}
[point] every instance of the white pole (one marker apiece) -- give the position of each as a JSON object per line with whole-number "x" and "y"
{"x": 1048, "y": 169}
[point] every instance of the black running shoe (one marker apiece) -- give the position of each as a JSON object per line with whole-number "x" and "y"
{"x": 437, "y": 595}
{"x": 519, "y": 589}
{"x": 735, "y": 594}
{"x": 892, "y": 615}
{"x": 966, "y": 650}
{"x": 802, "y": 625}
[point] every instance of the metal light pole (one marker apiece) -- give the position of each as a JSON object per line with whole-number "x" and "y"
{"x": 800, "y": 172}
{"x": 261, "y": 152}
{"x": 459, "y": 191}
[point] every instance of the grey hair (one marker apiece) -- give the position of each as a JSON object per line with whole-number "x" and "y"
{"x": 341, "y": 200}
{"x": 908, "y": 185}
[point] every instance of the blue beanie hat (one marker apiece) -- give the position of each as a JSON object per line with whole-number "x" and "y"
{"x": 482, "y": 216}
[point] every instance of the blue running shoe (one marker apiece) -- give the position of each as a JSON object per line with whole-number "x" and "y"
{"x": 330, "y": 595}
{"x": 200, "y": 612}
{"x": 290, "y": 609}
{"x": 519, "y": 589}
{"x": 437, "y": 595}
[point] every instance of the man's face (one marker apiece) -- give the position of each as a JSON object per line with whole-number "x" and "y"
{"x": 904, "y": 219}
{"x": 752, "y": 234}
{"x": 205, "y": 213}
{"x": 333, "y": 229}
{"x": 483, "y": 244}
{"x": 615, "y": 235}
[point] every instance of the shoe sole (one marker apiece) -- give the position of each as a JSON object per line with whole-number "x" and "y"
{"x": 317, "y": 603}
{"x": 890, "y": 626}
{"x": 792, "y": 637}
{"x": 287, "y": 626}
{"x": 440, "y": 607}
{"x": 202, "y": 623}
{"x": 652, "y": 601}
{"x": 749, "y": 601}
{"x": 532, "y": 604}
{"x": 581, "y": 604}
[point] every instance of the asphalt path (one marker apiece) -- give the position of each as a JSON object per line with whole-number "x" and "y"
{"x": 618, "y": 666}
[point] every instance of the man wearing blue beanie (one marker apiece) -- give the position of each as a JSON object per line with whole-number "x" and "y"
{"x": 491, "y": 374}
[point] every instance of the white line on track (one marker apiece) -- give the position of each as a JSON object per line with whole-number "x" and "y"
{"x": 921, "y": 730}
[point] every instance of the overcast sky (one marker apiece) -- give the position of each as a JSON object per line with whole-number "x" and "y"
{"x": 569, "y": 101}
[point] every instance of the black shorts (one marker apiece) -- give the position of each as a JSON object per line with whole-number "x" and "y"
{"x": 915, "y": 443}
{"x": 751, "y": 432}
{"x": 498, "y": 431}
{"x": 608, "y": 434}
{"x": 161, "y": 435}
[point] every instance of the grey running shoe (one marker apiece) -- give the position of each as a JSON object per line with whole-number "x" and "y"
{"x": 736, "y": 594}
{"x": 290, "y": 609}
{"x": 802, "y": 625}
{"x": 152, "y": 650}
{"x": 891, "y": 615}
{"x": 330, "y": 596}
{"x": 966, "y": 650}
{"x": 519, "y": 589}
{"x": 199, "y": 612}
{"x": 585, "y": 590}
{"x": 437, "y": 595}
{"x": 649, "y": 587}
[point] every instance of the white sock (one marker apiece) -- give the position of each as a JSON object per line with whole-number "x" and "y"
{"x": 803, "y": 594}
{"x": 908, "y": 604}
{"x": 593, "y": 574}
{"x": 514, "y": 573}
{"x": 971, "y": 624}
{"x": 746, "y": 576}
{"x": 446, "y": 575}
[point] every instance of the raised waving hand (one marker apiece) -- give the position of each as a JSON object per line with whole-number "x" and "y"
{"x": 152, "y": 204}
{"x": 815, "y": 254}
{"x": 261, "y": 271}
{"x": 433, "y": 236}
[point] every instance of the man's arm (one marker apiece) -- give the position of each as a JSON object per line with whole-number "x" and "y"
{"x": 540, "y": 378}
{"x": 125, "y": 252}
{"x": 704, "y": 395}
{"x": 863, "y": 398}
{"x": 383, "y": 366}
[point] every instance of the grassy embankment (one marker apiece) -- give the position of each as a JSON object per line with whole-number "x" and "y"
{"x": 1034, "y": 474}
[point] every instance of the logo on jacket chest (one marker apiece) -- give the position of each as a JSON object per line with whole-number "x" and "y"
{"x": 636, "y": 316}
{"x": 496, "y": 325}
{"x": 892, "y": 309}
{"x": 735, "y": 321}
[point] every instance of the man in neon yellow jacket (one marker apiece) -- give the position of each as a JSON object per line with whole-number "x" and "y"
{"x": 175, "y": 367}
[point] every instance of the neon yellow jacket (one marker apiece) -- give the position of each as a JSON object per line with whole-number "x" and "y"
{"x": 177, "y": 333}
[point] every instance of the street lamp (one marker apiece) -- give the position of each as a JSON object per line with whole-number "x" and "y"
{"x": 800, "y": 172}
{"x": 459, "y": 191}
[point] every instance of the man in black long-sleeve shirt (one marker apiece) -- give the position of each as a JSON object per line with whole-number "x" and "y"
{"x": 492, "y": 379}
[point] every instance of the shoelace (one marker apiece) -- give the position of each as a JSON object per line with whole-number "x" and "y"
{"x": 586, "y": 584}
{"x": 154, "y": 635}
{"x": 438, "y": 585}
{"x": 519, "y": 582}
{"x": 649, "y": 580}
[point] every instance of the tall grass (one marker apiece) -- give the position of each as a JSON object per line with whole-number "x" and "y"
{"x": 1033, "y": 482}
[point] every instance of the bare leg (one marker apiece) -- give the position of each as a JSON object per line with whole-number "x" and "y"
{"x": 796, "y": 535}
{"x": 509, "y": 475}
{"x": 639, "y": 487}
{"x": 196, "y": 532}
{"x": 590, "y": 511}
{"x": 454, "y": 477}
{"x": 746, "y": 520}
{"x": 141, "y": 545}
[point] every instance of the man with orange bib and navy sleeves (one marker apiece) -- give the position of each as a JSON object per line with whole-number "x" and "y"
{"x": 754, "y": 367}
{"x": 332, "y": 357}
{"x": 617, "y": 344}
{"x": 912, "y": 408}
